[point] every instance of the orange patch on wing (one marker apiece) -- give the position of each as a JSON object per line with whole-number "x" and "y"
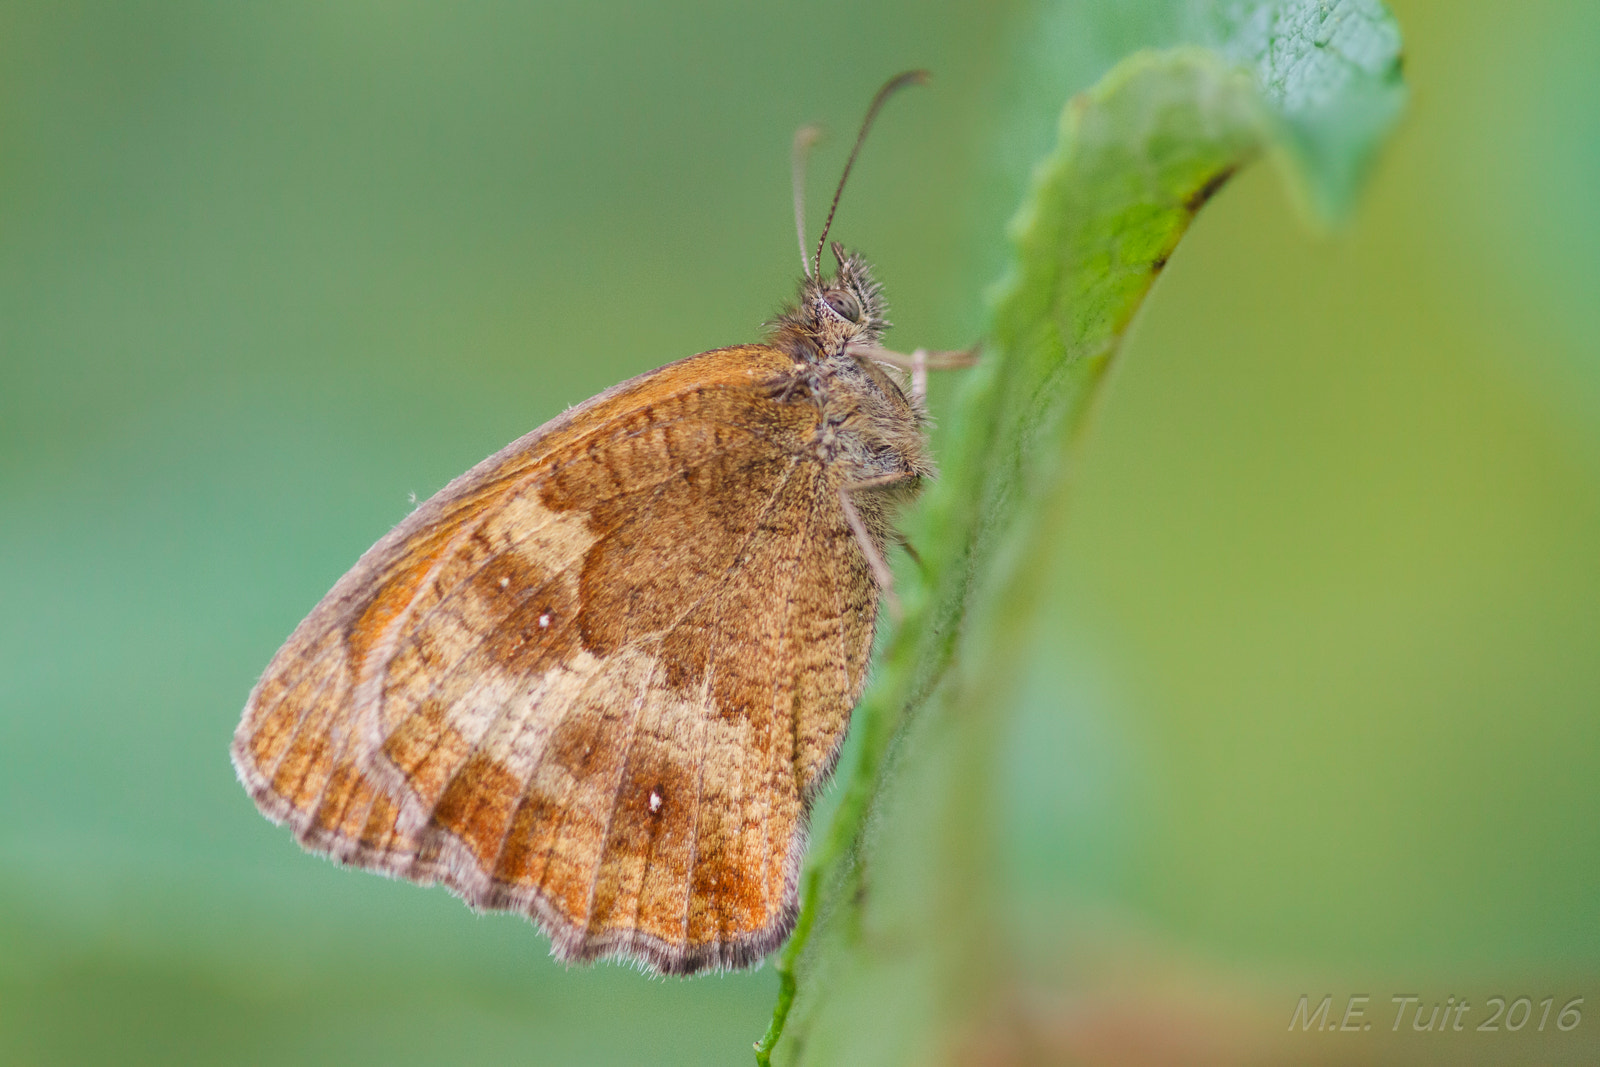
{"x": 647, "y": 843}
{"x": 345, "y": 800}
{"x": 394, "y": 598}
{"x": 305, "y": 767}
{"x": 569, "y": 872}
{"x": 273, "y": 733}
{"x": 528, "y": 843}
{"x": 426, "y": 749}
{"x": 380, "y": 832}
{"x": 478, "y": 804}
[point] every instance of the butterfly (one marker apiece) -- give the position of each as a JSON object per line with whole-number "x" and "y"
{"x": 600, "y": 678}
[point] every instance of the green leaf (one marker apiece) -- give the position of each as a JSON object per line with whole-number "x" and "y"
{"x": 1329, "y": 72}
{"x": 895, "y": 950}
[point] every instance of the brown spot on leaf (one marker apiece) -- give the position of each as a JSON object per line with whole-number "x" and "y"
{"x": 1198, "y": 198}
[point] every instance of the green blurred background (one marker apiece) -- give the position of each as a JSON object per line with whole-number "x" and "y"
{"x": 1316, "y": 701}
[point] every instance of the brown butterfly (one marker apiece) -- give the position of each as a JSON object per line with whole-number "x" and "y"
{"x": 600, "y": 677}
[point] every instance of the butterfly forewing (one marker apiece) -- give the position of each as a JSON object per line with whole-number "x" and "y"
{"x": 595, "y": 679}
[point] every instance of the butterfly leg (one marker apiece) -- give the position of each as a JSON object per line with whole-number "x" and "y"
{"x": 905, "y": 542}
{"x": 875, "y": 561}
{"x": 869, "y": 548}
{"x": 920, "y": 362}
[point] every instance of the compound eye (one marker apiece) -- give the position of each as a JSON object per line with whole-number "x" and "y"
{"x": 844, "y": 305}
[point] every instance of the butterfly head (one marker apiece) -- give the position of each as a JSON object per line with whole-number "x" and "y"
{"x": 835, "y": 313}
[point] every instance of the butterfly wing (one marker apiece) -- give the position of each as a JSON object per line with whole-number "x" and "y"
{"x": 597, "y": 679}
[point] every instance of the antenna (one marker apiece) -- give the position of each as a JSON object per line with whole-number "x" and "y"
{"x": 804, "y": 138}
{"x": 892, "y": 86}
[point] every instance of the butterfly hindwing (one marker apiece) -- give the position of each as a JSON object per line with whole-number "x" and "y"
{"x": 596, "y": 679}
